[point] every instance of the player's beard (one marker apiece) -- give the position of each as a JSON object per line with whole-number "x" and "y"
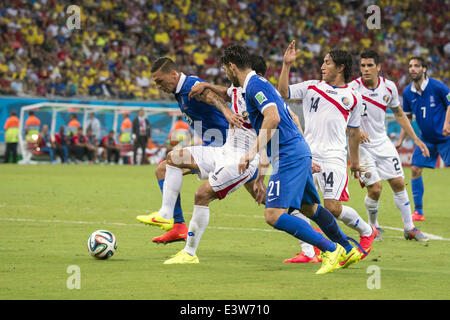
{"x": 234, "y": 79}
{"x": 417, "y": 77}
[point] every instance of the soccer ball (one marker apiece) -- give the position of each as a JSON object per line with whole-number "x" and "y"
{"x": 102, "y": 244}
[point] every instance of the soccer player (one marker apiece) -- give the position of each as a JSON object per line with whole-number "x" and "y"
{"x": 330, "y": 108}
{"x": 379, "y": 160}
{"x": 428, "y": 99}
{"x": 291, "y": 183}
{"x": 220, "y": 166}
{"x": 210, "y": 118}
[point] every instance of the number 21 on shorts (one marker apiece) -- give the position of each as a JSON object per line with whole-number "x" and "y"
{"x": 274, "y": 188}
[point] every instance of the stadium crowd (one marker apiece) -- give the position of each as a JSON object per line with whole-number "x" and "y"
{"x": 110, "y": 56}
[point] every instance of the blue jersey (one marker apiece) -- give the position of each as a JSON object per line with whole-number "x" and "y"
{"x": 206, "y": 120}
{"x": 259, "y": 94}
{"x": 429, "y": 107}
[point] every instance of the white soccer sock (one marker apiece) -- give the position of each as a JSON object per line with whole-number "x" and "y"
{"x": 197, "y": 225}
{"x": 171, "y": 189}
{"x": 372, "y": 210}
{"x": 401, "y": 200}
{"x": 351, "y": 218}
{"x": 307, "y": 248}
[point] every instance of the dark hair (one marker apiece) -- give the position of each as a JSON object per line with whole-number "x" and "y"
{"x": 422, "y": 60}
{"x": 31, "y": 112}
{"x": 163, "y": 63}
{"x": 238, "y": 55}
{"x": 370, "y": 54}
{"x": 342, "y": 57}
{"x": 258, "y": 64}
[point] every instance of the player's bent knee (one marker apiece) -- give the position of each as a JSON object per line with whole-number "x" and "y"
{"x": 334, "y": 206}
{"x": 374, "y": 191}
{"x": 160, "y": 171}
{"x": 416, "y": 172}
{"x": 204, "y": 195}
{"x": 397, "y": 184}
{"x": 178, "y": 158}
{"x": 272, "y": 214}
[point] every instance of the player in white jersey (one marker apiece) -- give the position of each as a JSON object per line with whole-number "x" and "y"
{"x": 379, "y": 159}
{"x": 330, "y": 108}
{"x": 219, "y": 165}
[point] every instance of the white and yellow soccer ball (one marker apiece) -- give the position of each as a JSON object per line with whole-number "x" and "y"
{"x": 102, "y": 244}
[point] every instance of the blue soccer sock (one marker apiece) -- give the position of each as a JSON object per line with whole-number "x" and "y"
{"x": 177, "y": 212}
{"x": 328, "y": 224}
{"x": 417, "y": 191}
{"x": 303, "y": 231}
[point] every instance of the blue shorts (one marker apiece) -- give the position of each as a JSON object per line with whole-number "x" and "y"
{"x": 442, "y": 149}
{"x": 291, "y": 185}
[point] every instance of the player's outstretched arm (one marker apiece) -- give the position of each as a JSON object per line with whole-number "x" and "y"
{"x": 210, "y": 97}
{"x": 354, "y": 137}
{"x": 404, "y": 122}
{"x": 289, "y": 57}
{"x": 198, "y": 89}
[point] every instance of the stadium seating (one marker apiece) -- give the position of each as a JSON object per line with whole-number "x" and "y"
{"x": 110, "y": 56}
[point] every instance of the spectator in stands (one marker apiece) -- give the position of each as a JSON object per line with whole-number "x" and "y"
{"x": 141, "y": 133}
{"x": 62, "y": 144}
{"x": 111, "y": 148}
{"x": 32, "y": 127}
{"x": 58, "y": 87}
{"x": 118, "y": 34}
{"x": 11, "y": 128}
{"x": 46, "y": 144}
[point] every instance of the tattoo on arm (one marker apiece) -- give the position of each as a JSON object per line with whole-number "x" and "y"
{"x": 210, "y": 97}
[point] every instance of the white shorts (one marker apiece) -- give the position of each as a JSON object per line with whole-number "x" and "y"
{"x": 379, "y": 163}
{"x": 220, "y": 167}
{"x": 332, "y": 181}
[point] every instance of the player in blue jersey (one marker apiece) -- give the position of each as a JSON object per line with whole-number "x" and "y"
{"x": 291, "y": 182}
{"x": 429, "y": 100}
{"x": 209, "y": 117}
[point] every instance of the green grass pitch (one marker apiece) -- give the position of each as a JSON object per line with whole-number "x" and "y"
{"x": 48, "y": 212}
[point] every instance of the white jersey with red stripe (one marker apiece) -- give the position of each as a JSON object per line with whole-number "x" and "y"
{"x": 375, "y": 103}
{"x": 240, "y": 139}
{"x": 328, "y": 111}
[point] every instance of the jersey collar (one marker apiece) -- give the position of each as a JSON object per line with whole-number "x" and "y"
{"x": 422, "y": 86}
{"x": 247, "y": 79}
{"x": 180, "y": 83}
